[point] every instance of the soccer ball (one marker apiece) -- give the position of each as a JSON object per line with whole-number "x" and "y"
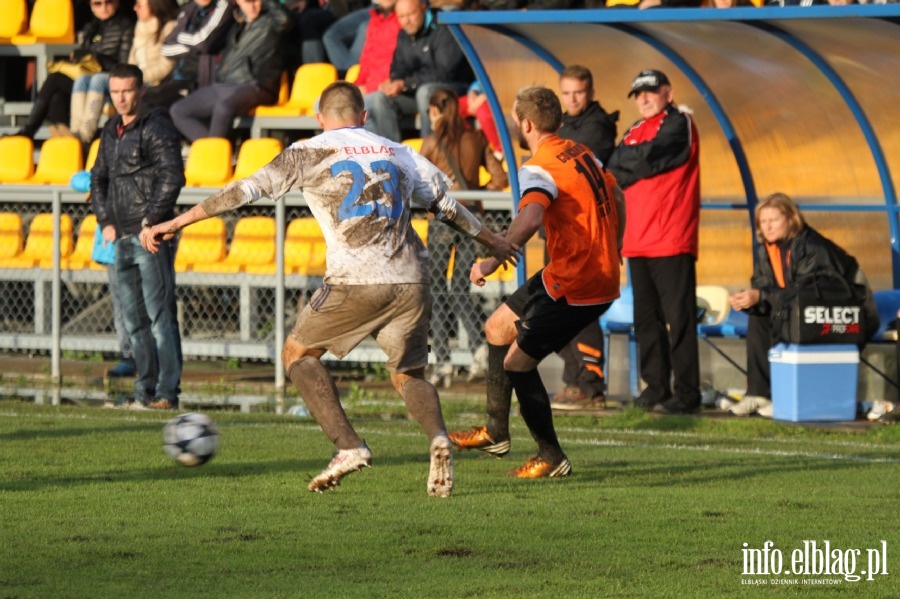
{"x": 190, "y": 439}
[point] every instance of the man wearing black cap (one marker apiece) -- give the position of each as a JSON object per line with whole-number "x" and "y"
{"x": 657, "y": 163}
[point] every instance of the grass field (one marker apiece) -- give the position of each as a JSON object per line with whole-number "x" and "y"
{"x": 656, "y": 507}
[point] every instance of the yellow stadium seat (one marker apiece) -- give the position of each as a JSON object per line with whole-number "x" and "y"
{"x": 421, "y": 227}
{"x": 284, "y": 92}
{"x": 304, "y": 248}
{"x": 414, "y": 142}
{"x": 208, "y": 163}
{"x": 255, "y": 154}
{"x": 16, "y": 159}
{"x": 52, "y": 22}
{"x": 11, "y": 236}
{"x": 84, "y": 246}
{"x": 59, "y": 159}
{"x": 309, "y": 82}
{"x": 92, "y": 154}
{"x": 15, "y": 18}
{"x": 713, "y": 300}
{"x": 484, "y": 177}
{"x": 503, "y": 275}
{"x": 201, "y": 243}
{"x": 252, "y": 247}
{"x": 39, "y": 243}
{"x": 352, "y": 74}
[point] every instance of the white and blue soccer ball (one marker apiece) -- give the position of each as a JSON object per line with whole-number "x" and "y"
{"x": 191, "y": 439}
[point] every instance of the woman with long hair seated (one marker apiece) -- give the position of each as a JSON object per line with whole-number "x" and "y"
{"x": 107, "y": 40}
{"x": 789, "y": 253}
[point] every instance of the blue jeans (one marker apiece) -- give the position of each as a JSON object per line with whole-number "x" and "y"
{"x": 98, "y": 82}
{"x": 146, "y": 289}
{"x": 385, "y": 111}
{"x": 118, "y": 318}
{"x": 344, "y": 39}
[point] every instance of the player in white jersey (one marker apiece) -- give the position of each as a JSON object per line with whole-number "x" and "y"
{"x": 360, "y": 188}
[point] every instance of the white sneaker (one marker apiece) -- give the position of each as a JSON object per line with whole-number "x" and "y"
{"x": 343, "y": 463}
{"x": 724, "y": 403}
{"x": 478, "y": 368}
{"x": 765, "y": 411}
{"x": 442, "y": 375}
{"x": 440, "y": 475}
{"x": 751, "y": 404}
{"x": 880, "y": 407}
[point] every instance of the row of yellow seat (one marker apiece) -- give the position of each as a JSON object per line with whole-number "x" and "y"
{"x": 203, "y": 246}
{"x": 51, "y": 22}
{"x": 210, "y": 162}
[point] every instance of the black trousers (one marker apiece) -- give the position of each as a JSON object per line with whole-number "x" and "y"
{"x": 759, "y": 340}
{"x": 665, "y": 325}
{"x": 583, "y": 361}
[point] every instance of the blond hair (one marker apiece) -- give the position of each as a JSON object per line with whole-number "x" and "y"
{"x": 784, "y": 204}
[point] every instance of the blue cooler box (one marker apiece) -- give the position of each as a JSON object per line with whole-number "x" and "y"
{"x": 814, "y": 382}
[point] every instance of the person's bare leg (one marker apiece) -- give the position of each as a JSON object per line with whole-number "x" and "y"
{"x": 424, "y": 405}
{"x": 319, "y": 392}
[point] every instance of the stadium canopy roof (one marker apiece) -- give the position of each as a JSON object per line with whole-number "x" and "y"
{"x": 798, "y": 99}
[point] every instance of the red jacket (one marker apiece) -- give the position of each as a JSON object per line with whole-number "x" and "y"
{"x": 657, "y": 163}
{"x": 378, "y": 50}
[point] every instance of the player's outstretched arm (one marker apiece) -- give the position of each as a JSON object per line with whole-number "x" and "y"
{"x": 152, "y": 236}
{"x": 501, "y": 249}
{"x": 228, "y": 198}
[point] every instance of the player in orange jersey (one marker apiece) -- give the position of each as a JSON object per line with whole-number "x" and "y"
{"x": 565, "y": 188}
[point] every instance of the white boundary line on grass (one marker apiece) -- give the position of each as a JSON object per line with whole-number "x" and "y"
{"x": 312, "y": 426}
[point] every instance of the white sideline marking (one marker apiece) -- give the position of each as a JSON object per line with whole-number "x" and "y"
{"x": 312, "y": 426}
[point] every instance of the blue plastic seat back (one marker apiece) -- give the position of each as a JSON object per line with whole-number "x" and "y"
{"x": 734, "y": 325}
{"x": 620, "y": 316}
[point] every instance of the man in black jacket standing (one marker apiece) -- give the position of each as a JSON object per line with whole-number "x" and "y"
{"x": 426, "y": 58}
{"x": 135, "y": 182}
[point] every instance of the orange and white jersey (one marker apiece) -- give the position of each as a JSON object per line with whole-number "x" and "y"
{"x": 580, "y": 220}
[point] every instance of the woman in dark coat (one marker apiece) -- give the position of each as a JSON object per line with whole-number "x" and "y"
{"x": 107, "y": 37}
{"x": 789, "y": 251}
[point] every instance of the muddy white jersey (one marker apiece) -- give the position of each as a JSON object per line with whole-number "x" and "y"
{"x": 360, "y": 187}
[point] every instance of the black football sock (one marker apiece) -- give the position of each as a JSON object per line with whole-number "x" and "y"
{"x": 534, "y": 405}
{"x": 320, "y": 394}
{"x": 499, "y": 394}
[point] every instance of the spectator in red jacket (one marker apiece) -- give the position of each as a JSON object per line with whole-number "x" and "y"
{"x": 657, "y": 163}
{"x": 475, "y": 105}
{"x": 378, "y": 49}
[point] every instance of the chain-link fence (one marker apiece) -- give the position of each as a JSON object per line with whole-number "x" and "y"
{"x": 230, "y": 305}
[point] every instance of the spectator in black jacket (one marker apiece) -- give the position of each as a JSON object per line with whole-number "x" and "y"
{"x": 248, "y": 76}
{"x": 198, "y": 37}
{"x": 135, "y": 182}
{"x": 789, "y": 254}
{"x": 426, "y": 59}
{"x": 107, "y": 37}
{"x": 586, "y": 122}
